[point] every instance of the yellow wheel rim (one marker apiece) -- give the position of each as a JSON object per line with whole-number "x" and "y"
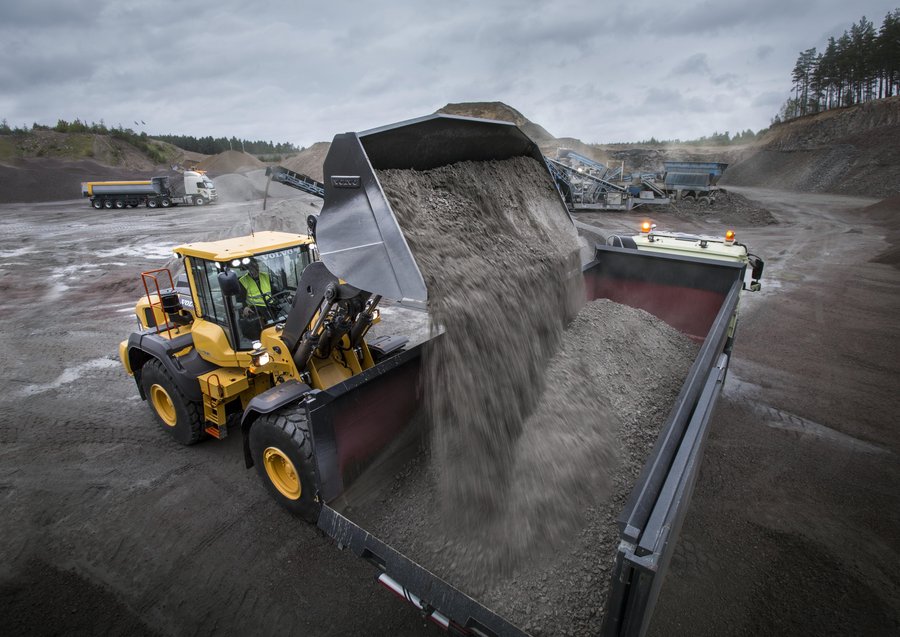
{"x": 163, "y": 405}
{"x": 282, "y": 473}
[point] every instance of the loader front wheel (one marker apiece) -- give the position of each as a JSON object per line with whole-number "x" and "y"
{"x": 282, "y": 453}
{"x": 179, "y": 417}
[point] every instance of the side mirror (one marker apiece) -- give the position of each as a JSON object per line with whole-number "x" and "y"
{"x": 756, "y": 265}
{"x": 311, "y": 221}
{"x": 228, "y": 282}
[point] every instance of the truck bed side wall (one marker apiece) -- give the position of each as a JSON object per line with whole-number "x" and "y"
{"x": 698, "y": 297}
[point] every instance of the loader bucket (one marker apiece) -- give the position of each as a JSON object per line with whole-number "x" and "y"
{"x": 357, "y": 233}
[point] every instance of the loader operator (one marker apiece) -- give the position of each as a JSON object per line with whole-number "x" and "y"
{"x": 257, "y": 289}
{"x": 259, "y": 306}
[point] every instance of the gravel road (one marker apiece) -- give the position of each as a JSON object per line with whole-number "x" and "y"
{"x": 110, "y": 527}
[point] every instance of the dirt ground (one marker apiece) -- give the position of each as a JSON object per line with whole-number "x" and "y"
{"x": 109, "y": 527}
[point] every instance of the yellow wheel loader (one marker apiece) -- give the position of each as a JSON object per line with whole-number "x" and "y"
{"x": 254, "y": 317}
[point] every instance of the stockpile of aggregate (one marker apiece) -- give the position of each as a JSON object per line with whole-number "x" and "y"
{"x": 229, "y": 161}
{"x": 727, "y": 207}
{"x": 538, "y": 423}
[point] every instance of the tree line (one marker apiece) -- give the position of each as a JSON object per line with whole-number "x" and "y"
{"x": 207, "y": 145}
{"x": 716, "y": 139}
{"x": 861, "y": 65}
{"x": 213, "y": 145}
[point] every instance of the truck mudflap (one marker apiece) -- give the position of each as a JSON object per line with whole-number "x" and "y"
{"x": 438, "y": 601}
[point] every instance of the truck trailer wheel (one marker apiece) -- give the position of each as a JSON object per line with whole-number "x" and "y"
{"x": 152, "y": 203}
{"x": 179, "y": 417}
{"x": 120, "y": 204}
{"x": 165, "y": 203}
{"x": 97, "y": 204}
{"x": 282, "y": 453}
{"x": 107, "y": 203}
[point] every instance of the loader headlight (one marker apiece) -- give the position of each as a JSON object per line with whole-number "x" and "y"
{"x": 259, "y": 357}
{"x": 262, "y": 360}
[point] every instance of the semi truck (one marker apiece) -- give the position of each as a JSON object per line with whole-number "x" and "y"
{"x": 193, "y": 189}
{"x": 316, "y": 405}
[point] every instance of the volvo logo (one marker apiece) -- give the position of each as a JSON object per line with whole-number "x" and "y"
{"x": 345, "y": 181}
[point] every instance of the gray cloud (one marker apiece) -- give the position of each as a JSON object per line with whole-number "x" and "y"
{"x": 302, "y": 72}
{"x": 764, "y": 51}
{"x": 697, "y": 64}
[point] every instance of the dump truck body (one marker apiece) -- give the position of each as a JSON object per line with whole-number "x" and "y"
{"x": 697, "y": 296}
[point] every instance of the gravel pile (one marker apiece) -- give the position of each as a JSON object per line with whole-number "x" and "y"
{"x": 501, "y": 262}
{"x": 230, "y": 161}
{"x": 535, "y": 431}
{"x": 728, "y": 207}
{"x": 609, "y": 389}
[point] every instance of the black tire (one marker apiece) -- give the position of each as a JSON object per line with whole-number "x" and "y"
{"x": 152, "y": 203}
{"x": 119, "y": 204}
{"x": 179, "y": 417}
{"x": 704, "y": 201}
{"x": 97, "y": 204}
{"x": 107, "y": 203}
{"x": 280, "y": 442}
{"x": 199, "y": 201}
{"x": 165, "y": 203}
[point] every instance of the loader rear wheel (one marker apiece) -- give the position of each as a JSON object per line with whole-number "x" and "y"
{"x": 179, "y": 417}
{"x": 282, "y": 453}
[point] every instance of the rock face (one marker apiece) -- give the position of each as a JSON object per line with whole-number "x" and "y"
{"x": 852, "y": 151}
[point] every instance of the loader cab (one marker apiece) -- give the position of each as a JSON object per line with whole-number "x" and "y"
{"x": 243, "y": 286}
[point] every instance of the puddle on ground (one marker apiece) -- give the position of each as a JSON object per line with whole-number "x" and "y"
{"x": 69, "y": 375}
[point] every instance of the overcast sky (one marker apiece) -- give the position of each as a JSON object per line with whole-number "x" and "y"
{"x": 304, "y": 71}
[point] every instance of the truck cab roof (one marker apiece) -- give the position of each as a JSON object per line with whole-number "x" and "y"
{"x": 239, "y": 247}
{"x": 687, "y": 244}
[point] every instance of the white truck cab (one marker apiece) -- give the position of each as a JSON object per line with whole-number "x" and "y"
{"x": 198, "y": 188}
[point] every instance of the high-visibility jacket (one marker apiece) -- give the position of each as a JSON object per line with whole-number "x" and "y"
{"x": 256, "y": 293}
